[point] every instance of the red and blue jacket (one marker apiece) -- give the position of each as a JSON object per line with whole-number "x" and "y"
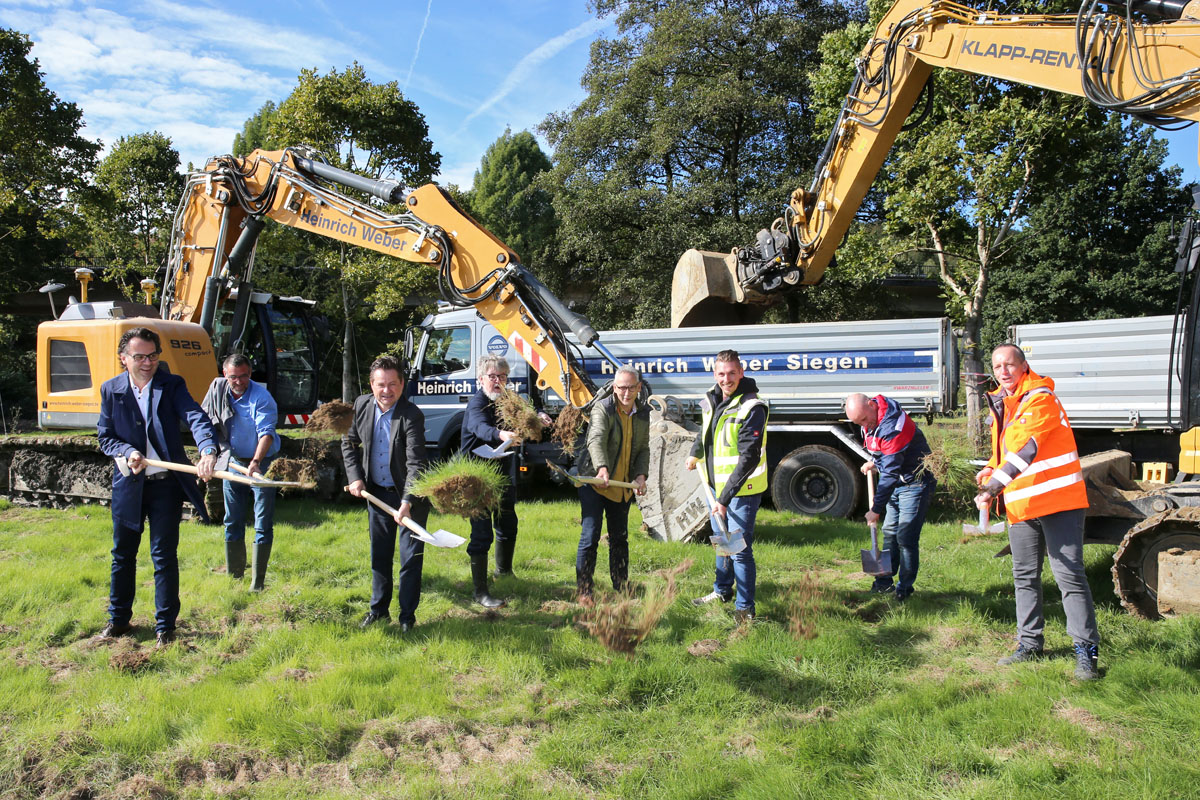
{"x": 898, "y": 447}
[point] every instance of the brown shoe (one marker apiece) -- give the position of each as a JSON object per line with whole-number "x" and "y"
{"x": 114, "y": 629}
{"x": 165, "y": 639}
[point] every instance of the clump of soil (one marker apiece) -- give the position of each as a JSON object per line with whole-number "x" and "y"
{"x": 139, "y": 787}
{"x": 803, "y": 601}
{"x": 622, "y": 621}
{"x": 704, "y": 648}
{"x": 463, "y": 486}
{"x": 948, "y": 461}
{"x": 294, "y": 470}
{"x": 335, "y": 417}
{"x": 567, "y": 427}
{"x": 129, "y": 658}
{"x": 517, "y": 414}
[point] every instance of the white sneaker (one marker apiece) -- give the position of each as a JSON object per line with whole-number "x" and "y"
{"x": 711, "y": 597}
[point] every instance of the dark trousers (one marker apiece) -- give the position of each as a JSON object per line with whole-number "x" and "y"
{"x": 503, "y": 520}
{"x": 162, "y": 505}
{"x": 1060, "y": 536}
{"x": 594, "y": 508}
{"x": 384, "y": 535}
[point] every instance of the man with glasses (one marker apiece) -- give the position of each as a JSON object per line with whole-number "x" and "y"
{"x": 141, "y": 411}
{"x": 244, "y": 416}
{"x": 480, "y": 427}
{"x": 618, "y": 449}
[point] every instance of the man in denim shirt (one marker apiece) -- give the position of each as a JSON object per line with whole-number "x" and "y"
{"x": 244, "y": 415}
{"x": 898, "y": 449}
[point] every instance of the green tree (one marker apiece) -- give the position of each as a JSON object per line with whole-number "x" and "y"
{"x": 371, "y": 129}
{"x": 508, "y": 201}
{"x": 692, "y": 134}
{"x": 42, "y": 158}
{"x": 131, "y": 205}
{"x": 255, "y": 132}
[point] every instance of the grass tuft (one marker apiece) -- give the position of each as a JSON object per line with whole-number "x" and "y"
{"x": 621, "y": 621}
{"x": 462, "y": 485}
{"x": 566, "y": 430}
{"x": 517, "y": 414}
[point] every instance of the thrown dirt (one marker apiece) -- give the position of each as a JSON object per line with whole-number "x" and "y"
{"x": 622, "y": 621}
{"x": 464, "y": 496}
{"x": 567, "y": 428}
{"x": 704, "y": 648}
{"x": 298, "y": 470}
{"x": 804, "y": 606}
{"x": 515, "y": 413}
{"x": 335, "y": 417}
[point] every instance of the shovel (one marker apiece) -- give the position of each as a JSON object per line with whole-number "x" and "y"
{"x": 487, "y": 451}
{"x": 725, "y": 546}
{"x": 264, "y": 481}
{"x": 578, "y": 479}
{"x": 123, "y": 465}
{"x": 875, "y": 561}
{"x": 983, "y": 528}
{"x": 438, "y": 538}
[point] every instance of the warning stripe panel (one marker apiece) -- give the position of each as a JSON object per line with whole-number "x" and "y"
{"x": 525, "y": 349}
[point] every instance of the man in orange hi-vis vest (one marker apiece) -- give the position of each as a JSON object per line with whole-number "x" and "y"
{"x": 1034, "y": 468}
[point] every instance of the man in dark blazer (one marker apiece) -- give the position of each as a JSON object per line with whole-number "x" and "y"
{"x": 384, "y": 450}
{"x": 140, "y": 414}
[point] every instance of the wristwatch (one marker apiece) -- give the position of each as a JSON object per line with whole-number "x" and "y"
{"x": 209, "y": 451}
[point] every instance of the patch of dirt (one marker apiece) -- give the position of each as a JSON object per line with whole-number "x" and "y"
{"x": 447, "y": 747}
{"x": 297, "y": 674}
{"x": 128, "y": 657}
{"x": 557, "y": 607}
{"x": 336, "y": 417}
{"x": 139, "y": 787}
{"x": 1081, "y": 717}
{"x": 704, "y": 648}
{"x": 743, "y": 746}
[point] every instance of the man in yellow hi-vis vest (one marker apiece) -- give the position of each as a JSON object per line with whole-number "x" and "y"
{"x": 731, "y": 452}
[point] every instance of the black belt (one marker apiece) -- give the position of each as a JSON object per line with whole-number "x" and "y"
{"x": 158, "y": 476}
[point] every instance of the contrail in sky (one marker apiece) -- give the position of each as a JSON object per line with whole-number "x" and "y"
{"x": 531, "y": 62}
{"x": 417, "y": 51}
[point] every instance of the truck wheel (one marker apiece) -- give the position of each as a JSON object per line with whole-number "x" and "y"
{"x": 815, "y": 479}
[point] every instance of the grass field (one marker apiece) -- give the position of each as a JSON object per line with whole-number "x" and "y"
{"x": 280, "y": 694}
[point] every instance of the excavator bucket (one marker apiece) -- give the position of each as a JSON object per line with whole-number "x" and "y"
{"x": 673, "y": 507}
{"x": 706, "y": 291}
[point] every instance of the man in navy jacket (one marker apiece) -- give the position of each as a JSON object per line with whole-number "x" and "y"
{"x": 898, "y": 450}
{"x": 140, "y": 414}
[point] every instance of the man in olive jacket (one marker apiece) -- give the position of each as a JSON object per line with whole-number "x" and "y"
{"x": 618, "y": 449}
{"x": 384, "y": 451}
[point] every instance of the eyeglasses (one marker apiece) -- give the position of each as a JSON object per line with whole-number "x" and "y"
{"x": 492, "y": 376}
{"x": 633, "y": 388}
{"x": 140, "y": 358}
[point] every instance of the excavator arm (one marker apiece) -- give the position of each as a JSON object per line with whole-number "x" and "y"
{"x": 1145, "y": 63}
{"x": 226, "y": 205}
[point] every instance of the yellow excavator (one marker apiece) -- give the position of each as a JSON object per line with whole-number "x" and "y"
{"x": 1144, "y": 61}
{"x": 208, "y": 296}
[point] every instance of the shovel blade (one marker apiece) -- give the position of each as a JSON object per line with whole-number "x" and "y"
{"x": 441, "y": 538}
{"x": 876, "y": 562}
{"x": 487, "y": 451}
{"x": 728, "y": 547}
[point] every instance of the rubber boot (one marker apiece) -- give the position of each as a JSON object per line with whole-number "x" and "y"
{"x": 235, "y": 559}
{"x": 262, "y": 555}
{"x": 479, "y": 576}
{"x": 504, "y": 557}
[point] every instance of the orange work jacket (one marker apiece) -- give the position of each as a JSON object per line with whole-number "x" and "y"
{"x": 1034, "y": 460}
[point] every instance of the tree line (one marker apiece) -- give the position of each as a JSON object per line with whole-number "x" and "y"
{"x": 700, "y": 118}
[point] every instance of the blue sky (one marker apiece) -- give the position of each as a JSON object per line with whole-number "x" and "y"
{"x": 197, "y": 70}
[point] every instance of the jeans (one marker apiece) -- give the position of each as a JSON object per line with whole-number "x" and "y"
{"x": 594, "y": 508}
{"x": 385, "y": 534}
{"x": 905, "y": 516}
{"x": 237, "y": 499}
{"x": 1061, "y": 536}
{"x": 740, "y": 567}
{"x": 162, "y": 503}
{"x": 504, "y": 520}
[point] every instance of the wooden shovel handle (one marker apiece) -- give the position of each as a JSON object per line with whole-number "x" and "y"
{"x": 382, "y": 506}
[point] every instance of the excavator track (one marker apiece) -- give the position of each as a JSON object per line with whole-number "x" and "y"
{"x": 1135, "y": 565}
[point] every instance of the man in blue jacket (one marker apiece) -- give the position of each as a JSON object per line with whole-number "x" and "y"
{"x": 244, "y": 414}
{"x": 140, "y": 415}
{"x": 905, "y": 490}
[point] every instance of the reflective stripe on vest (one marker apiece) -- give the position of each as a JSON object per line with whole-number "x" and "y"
{"x": 1053, "y": 481}
{"x": 725, "y": 454}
